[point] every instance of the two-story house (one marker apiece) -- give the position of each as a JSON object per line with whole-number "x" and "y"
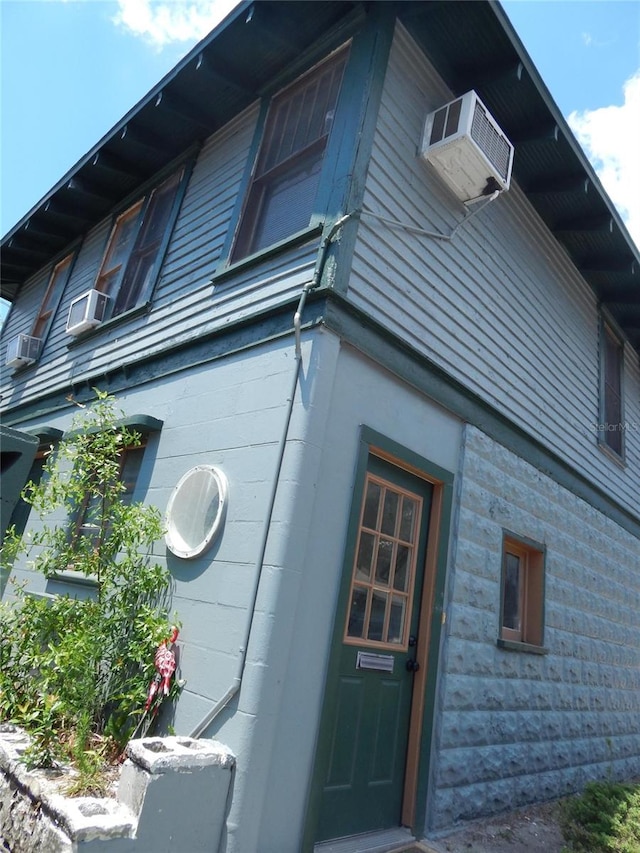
{"x": 352, "y": 276}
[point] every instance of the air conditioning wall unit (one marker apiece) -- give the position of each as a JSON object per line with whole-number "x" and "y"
{"x": 22, "y": 350}
{"x": 467, "y": 148}
{"x": 86, "y": 312}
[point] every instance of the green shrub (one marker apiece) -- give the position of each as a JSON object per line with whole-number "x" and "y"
{"x": 75, "y": 672}
{"x": 605, "y": 819}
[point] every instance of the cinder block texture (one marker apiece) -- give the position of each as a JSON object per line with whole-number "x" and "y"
{"x": 515, "y": 728}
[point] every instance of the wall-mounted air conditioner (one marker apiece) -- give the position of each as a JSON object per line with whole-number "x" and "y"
{"x": 22, "y": 350}
{"x": 466, "y": 146}
{"x": 86, "y": 312}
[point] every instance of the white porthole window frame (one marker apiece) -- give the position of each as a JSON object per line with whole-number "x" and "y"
{"x": 192, "y": 500}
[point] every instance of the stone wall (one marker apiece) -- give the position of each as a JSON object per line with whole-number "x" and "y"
{"x": 171, "y": 798}
{"x": 514, "y": 727}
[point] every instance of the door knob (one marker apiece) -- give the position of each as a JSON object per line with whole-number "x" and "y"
{"x": 412, "y": 665}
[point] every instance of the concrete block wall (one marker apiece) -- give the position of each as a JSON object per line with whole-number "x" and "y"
{"x": 171, "y": 796}
{"x": 514, "y": 727}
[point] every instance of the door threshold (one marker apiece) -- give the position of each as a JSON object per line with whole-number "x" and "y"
{"x": 384, "y": 841}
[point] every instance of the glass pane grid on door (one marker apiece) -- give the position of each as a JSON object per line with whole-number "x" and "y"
{"x": 384, "y": 566}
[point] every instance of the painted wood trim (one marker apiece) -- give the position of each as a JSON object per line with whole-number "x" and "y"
{"x": 349, "y": 153}
{"x": 417, "y": 370}
{"x": 373, "y": 443}
{"x": 321, "y": 756}
{"x": 418, "y": 702}
{"x": 516, "y": 646}
{"x": 73, "y": 251}
{"x": 377, "y": 343}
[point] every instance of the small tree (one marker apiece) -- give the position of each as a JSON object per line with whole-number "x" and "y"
{"x": 74, "y": 672}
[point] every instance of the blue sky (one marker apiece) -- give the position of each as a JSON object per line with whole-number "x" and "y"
{"x": 70, "y": 69}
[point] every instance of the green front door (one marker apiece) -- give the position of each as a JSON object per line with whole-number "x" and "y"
{"x": 370, "y": 696}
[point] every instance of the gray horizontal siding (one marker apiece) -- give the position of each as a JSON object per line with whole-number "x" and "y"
{"x": 185, "y": 304}
{"x": 500, "y": 307}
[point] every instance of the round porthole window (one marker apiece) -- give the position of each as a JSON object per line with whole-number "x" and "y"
{"x": 196, "y": 511}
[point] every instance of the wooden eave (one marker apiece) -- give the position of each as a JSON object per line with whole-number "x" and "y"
{"x": 259, "y": 45}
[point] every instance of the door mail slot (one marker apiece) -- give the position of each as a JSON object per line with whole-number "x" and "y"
{"x": 369, "y": 660}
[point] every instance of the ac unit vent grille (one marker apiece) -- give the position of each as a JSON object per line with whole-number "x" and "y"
{"x": 22, "y": 350}
{"x": 86, "y": 312}
{"x": 446, "y": 121}
{"x": 467, "y": 148}
{"x": 495, "y": 146}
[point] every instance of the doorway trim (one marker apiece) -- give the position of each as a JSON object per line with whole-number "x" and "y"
{"x": 373, "y": 443}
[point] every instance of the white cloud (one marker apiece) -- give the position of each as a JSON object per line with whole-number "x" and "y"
{"x": 161, "y": 23}
{"x": 611, "y": 138}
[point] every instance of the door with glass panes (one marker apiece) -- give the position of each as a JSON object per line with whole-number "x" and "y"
{"x": 371, "y": 703}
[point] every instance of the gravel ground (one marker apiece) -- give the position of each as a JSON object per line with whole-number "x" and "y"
{"x": 531, "y": 830}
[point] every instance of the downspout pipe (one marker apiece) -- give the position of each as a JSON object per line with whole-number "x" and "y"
{"x": 236, "y": 681}
{"x": 234, "y": 687}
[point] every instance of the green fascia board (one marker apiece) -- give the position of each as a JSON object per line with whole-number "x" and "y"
{"x": 370, "y": 438}
{"x": 46, "y": 434}
{"x": 329, "y": 308}
{"x": 18, "y": 452}
{"x": 382, "y": 346}
{"x": 143, "y": 424}
{"x": 349, "y": 152}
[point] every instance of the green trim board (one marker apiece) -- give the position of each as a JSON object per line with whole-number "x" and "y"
{"x": 608, "y": 327}
{"x": 349, "y": 152}
{"x": 372, "y": 339}
{"x": 144, "y": 424}
{"x": 366, "y": 335}
{"x": 332, "y": 40}
{"x": 394, "y": 455}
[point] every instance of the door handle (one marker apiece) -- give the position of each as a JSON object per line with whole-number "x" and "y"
{"x": 412, "y": 665}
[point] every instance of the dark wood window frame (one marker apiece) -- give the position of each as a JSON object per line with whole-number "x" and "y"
{"x": 293, "y": 144}
{"x": 56, "y": 284}
{"x": 130, "y": 267}
{"x": 611, "y": 422}
{"x": 132, "y": 451}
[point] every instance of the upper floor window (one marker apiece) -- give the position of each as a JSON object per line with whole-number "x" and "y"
{"x": 135, "y": 248}
{"x": 612, "y": 416}
{"x": 281, "y": 196}
{"x": 57, "y": 281}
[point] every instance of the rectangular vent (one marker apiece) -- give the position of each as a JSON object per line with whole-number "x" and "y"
{"x": 86, "y": 312}
{"x": 467, "y": 148}
{"x": 494, "y": 144}
{"x": 22, "y": 350}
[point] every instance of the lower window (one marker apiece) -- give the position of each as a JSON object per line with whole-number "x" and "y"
{"x": 522, "y": 607}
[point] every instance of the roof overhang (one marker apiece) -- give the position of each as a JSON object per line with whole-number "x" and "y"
{"x": 474, "y": 46}
{"x": 470, "y": 42}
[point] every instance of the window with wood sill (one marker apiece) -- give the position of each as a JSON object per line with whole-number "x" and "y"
{"x": 92, "y": 515}
{"x": 522, "y": 595}
{"x": 282, "y": 192}
{"x": 137, "y": 244}
{"x": 55, "y": 286}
